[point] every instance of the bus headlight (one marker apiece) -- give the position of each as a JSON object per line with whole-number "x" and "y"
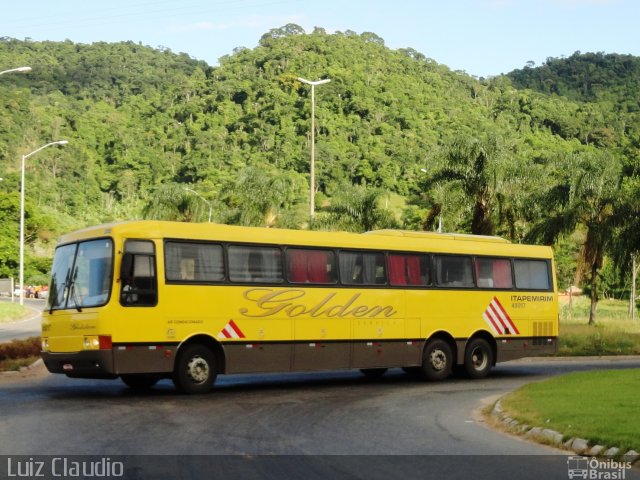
{"x": 45, "y": 344}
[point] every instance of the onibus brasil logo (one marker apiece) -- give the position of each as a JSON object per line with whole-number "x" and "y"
{"x": 595, "y": 468}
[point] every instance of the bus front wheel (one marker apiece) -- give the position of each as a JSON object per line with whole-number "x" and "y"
{"x": 195, "y": 370}
{"x": 437, "y": 360}
{"x": 478, "y": 358}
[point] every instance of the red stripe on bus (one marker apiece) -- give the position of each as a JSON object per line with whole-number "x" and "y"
{"x": 235, "y": 328}
{"x": 513, "y": 325}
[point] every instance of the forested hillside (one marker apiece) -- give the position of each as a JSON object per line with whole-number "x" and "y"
{"x": 546, "y": 154}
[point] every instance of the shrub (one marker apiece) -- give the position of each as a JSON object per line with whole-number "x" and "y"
{"x": 20, "y": 348}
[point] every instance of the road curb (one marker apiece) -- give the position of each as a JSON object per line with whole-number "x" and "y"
{"x": 577, "y": 358}
{"x": 547, "y": 436}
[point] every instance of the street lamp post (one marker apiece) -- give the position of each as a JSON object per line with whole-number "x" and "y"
{"x": 24, "y": 157}
{"x": 312, "y": 172}
{"x": 16, "y": 70}
{"x": 201, "y": 198}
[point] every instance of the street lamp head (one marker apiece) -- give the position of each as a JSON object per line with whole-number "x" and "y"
{"x": 314, "y": 83}
{"x": 62, "y": 142}
{"x": 17, "y": 70}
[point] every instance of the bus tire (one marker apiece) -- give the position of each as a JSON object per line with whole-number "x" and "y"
{"x": 478, "y": 358}
{"x": 139, "y": 381}
{"x": 437, "y": 360}
{"x": 373, "y": 372}
{"x": 195, "y": 370}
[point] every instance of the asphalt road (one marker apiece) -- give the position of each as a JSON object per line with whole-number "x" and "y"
{"x": 320, "y": 425}
{"x": 30, "y": 327}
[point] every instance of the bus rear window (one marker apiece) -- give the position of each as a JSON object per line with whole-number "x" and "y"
{"x": 81, "y": 275}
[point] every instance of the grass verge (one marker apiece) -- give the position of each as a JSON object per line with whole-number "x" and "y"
{"x": 613, "y": 334}
{"x": 601, "y": 407}
{"x": 10, "y": 312}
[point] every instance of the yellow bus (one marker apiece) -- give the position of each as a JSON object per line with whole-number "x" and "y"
{"x": 146, "y": 300}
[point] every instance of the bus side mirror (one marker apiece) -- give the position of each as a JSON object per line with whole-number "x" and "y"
{"x": 126, "y": 267}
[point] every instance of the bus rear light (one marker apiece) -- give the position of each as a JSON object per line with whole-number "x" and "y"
{"x": 97, "y": 342}
{"x": 105, "y": 342}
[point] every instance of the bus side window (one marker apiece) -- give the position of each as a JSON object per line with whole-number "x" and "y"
{"x": 255, "y": 264}
{"x": 454, "y": 271}
{"x": 362, "y": 268}
{"x": 408, "y": 269}
{"x": 532, "y": 274}
{"x": 138, "y": 274}
{"x": 493, "y": 272}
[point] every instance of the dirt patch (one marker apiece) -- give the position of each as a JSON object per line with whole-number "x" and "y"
{"x": 35, "y": 371}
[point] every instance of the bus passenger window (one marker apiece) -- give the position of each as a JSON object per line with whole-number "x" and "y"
{"x": 362, "y": 268}
{"x": 193, "y": 262}
{"x": 454, "y": 271}
{"x": 532, "y": 274}
{"x": 255, "y": 264}
{"x": 405, "y": 269}
{"x": 311, "y": 266}
{"x": 493, "y": 272}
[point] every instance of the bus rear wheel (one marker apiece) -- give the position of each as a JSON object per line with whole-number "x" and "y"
{"x": 437, "y": 360}
{"x": 195, "y": 370}
{"x": 478, "y": 358}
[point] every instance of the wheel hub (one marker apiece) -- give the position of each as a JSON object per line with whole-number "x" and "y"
{"x": 438, "y": 360}
{"x": 198, "y": 369}
{"x": 479, "y": 359}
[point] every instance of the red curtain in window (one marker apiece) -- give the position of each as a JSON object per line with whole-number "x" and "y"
{"x": 413, "y": 270}
{"x": 397, "y": 269}
{"x": 502, "y": 273}
{"x": 317, "y": 266}
{"x": 298, "y": 266}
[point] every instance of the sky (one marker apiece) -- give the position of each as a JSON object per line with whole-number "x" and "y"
{"x": 480, "y": 37}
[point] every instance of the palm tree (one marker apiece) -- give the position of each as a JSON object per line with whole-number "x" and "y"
{"x": 171, "y": 201}
{"x": 260, "y": 197}
{"x": 356, "y": 209}
{"x": 587, "y": 197}
{"x": 474, "y": 166}
{"x": 626, "y": 247}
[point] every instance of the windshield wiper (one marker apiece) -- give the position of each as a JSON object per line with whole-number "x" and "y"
{"x": 72, "y": 290}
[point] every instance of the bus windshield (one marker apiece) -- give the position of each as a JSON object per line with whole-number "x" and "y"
{"x": 81, "y": 275}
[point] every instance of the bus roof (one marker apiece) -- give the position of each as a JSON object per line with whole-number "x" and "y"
{"x": 439, "y": 236}
{"x": 400, "y": 240}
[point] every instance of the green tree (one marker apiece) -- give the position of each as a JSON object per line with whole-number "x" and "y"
{"x": 586, "y": 197}
{"x": 172, "y": 201}
{"x": 474, "y": 166}
{"x": 356, "y": 209}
